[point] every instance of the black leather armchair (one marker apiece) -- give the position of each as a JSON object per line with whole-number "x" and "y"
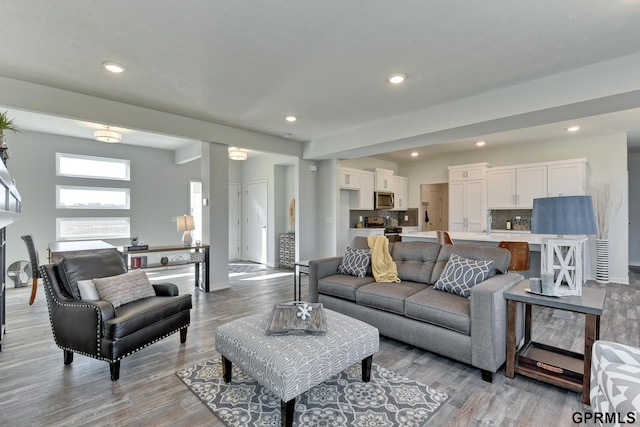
{"x": 95, "y": 328}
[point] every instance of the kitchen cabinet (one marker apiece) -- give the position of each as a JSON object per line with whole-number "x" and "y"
{"x": 467, "y": 205}
{"x": 383, "y": 179}
{"x": 512, "y": 187}
{"x": 365, "y": 195}
{"x": 401, "y": 193}
{"x": 348, "y": 179}
{"x": 566, "y": 178}
{"x": 468, "y": 172}
{"x": 468, "y": 197}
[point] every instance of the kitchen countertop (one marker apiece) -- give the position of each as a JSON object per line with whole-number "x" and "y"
{"x": 494, "y": 237}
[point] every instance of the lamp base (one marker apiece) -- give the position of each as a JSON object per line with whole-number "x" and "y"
{"x": 564, "y": 260}
{"x": 186, "y": 238}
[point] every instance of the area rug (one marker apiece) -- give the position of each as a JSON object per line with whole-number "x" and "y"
{"x": 246, "y": 267}
{"x": 343, "y": 400}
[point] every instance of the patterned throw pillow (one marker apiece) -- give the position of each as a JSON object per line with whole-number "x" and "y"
{"x": 355, "y": 262}
{"x": 124, "y": 288}
{"x": 461, "y": 274}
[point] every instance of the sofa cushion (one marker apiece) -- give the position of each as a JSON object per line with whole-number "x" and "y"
{"x": 135, "y": 316}
{"x": 415, "y": 260}
{"x": 355, "y": 262}
{"x": 461, "y": 274}
{"x": 124, "y": 288}
{"x": 342, "y": 286}
{"x": 501, "y": 257}
{"x": 441, "y": 309}
{"x": 387, "y": 296}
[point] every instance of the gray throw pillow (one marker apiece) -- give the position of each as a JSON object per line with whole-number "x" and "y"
{"x": 355, "y": 262}
{"x": 124, "y": 288}
{"x": 461, "y": 274}
{"x": 88, "y": 290}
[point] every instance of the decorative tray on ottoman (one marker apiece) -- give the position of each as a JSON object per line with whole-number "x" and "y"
{"x": 297, "y": 318}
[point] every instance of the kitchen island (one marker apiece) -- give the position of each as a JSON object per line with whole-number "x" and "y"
{"x": 495, "y": 237}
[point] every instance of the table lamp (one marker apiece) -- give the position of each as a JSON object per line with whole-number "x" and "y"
{"x": 186, "y": 224}
{"x": 562, "y": 258}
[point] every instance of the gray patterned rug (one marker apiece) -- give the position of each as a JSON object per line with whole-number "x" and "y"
{"x": 240, "y": 267}
{"x": 344, "y": 400}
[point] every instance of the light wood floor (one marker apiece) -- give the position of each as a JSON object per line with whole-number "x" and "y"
{"x": 36, "y": 389}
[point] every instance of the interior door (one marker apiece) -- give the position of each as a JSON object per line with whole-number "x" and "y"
{"x": 431, "y": 208}
{"x": 256, "y": 249}
{"x": 234, "y": 220}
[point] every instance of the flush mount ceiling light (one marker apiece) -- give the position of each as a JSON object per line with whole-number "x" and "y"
{"x": 236, "y": 153}
{"x": 106, "y": 135}
{"x": 573, "y": 128}
{"x": 397, "y": 78}
{"x": 480, "y": 143}
{"x": 113, "y": 67}
{"x": 291, "y": 119}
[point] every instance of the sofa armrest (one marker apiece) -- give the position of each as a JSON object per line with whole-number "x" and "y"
{"x": 165, "y": 289}
{"x": 489, "y": 321}
{"x": 79, "y": 324}
{"x": 319, "y": 268}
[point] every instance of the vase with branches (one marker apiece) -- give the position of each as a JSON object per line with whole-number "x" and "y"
{"x": 5, "y": 124}
{"x": 605, "y": 198}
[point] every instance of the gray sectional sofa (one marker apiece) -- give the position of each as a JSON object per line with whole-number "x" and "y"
{"x": 470, "y": 330}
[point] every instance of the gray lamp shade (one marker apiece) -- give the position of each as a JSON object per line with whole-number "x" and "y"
{"x": 563, "y": 215}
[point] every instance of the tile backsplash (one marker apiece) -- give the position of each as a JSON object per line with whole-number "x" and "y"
{"x": 520, "y": 219}
{"x": 411, "y": 214}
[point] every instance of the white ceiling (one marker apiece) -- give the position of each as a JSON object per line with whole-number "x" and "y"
{"x": 250, "y": 63}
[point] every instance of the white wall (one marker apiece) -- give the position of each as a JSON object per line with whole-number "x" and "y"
{"x": 159, "y": 189}
{"x": 606, "y": 156}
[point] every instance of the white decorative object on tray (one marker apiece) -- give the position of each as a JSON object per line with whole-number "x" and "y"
{"x": 297, "y": 318}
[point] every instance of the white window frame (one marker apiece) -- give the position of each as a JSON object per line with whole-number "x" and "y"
{"x": 125, "y": 162}
{"x": 88, "y": 236}
{"x": 97, "y": 189}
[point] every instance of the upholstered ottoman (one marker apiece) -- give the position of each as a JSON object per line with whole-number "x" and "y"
{"x": 289, "y": 365}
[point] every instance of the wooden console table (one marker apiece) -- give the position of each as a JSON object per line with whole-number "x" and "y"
{"x": 562, "y": 368}
{"x": 198, "y": 254}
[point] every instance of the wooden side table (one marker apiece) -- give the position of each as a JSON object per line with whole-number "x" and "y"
{"x": 562, "y": 368}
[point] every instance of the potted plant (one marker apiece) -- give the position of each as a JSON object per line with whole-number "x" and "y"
{"x": 5, "y": 124}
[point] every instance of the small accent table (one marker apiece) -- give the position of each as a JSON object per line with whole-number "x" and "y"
{"x": 199, "y": 254}
{"x": 299, "y": 268}
{"x": 549, "y": 364}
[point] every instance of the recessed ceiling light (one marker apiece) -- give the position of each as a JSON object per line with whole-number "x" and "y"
{"x": 480, "y": 143}
{"x": 287, "y": 135}
{"x": 291, "y": 119}
{"x": 397, "y": 78}
{"x": 113, "y": 67}
{"x": 415, "y": 154}
{"x": 573, "y": 128}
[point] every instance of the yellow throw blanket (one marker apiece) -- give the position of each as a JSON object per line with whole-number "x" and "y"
{"x": 383, "y": 267}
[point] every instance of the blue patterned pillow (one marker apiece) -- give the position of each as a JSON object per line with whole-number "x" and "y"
{"x": 461, "y": 274}
{"x": 355, "y": 262}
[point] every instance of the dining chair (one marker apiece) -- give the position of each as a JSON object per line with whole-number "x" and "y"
{"x": 444, "y": 238}
{"x": 519, "y": 255}
{"x": 35, "y": 263}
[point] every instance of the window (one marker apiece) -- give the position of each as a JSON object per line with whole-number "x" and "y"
{"x": 79, "y": 197}
{"x": 92, "y": 228}
{"x": 75, "y": 165}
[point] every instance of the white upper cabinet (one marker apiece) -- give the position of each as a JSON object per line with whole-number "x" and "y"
{"x": 567, "y": 178}
{"x": 468, "y": 172}
{"x": 349, "y": 179}
{"x": 516, "y": 187}
{"x": 383, "y": 180}
{"x": 366, "y": 191}
{"x": 401, "y": 193}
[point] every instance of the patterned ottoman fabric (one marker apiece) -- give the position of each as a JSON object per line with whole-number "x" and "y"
{"x": 289, "y": 365}
{"x": 615, "y": 381}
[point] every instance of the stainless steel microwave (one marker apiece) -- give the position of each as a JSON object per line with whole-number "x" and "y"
{"x": 383, "y": 200}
